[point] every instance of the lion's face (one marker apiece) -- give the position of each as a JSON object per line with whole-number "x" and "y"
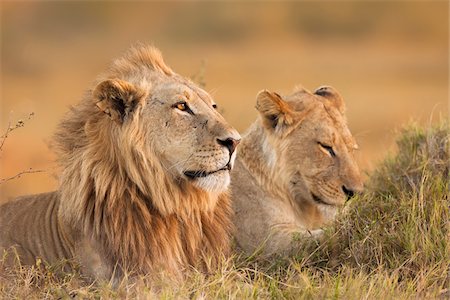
{"x": 199, "y": 145}
{"x": 313, "y": 146}
{"x": 179, "y": 123}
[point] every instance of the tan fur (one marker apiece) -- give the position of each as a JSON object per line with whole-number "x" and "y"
{"x": 281, "y": 165}
{"x": 124, "y": 202}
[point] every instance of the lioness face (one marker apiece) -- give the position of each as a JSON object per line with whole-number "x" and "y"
{"x": 313, "y": 146}
{"x": 198, "y": 145}
{"x": 179, "y": 123}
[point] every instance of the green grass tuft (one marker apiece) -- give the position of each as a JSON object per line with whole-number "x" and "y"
{"x": 392, "y": 242}
{"x": 400, "y": 225}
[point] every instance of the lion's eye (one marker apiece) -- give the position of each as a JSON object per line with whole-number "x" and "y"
{"x": 183, "y": 107}
{"x": 328, "y": 148}
{"x": 214, "y": 106}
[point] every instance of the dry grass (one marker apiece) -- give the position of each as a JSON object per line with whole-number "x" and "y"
{"x": 392, "y": 243}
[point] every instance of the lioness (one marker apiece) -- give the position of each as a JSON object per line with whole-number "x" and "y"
{"x": 145, "y": 160}
{"x": 294, "y": 170}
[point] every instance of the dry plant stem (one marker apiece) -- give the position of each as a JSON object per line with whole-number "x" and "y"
{"x": 18, "y": 175}
{"x": 8, "y": 130}
{"x": 19, "y": 124}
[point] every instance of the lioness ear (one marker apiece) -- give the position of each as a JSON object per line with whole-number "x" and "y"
{"x": 333, "y": 96}
{"x": 275, "y": 112}
{"x": 117, "y": 98}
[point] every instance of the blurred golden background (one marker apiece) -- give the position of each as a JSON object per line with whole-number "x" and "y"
{"x": 388, "y": 59}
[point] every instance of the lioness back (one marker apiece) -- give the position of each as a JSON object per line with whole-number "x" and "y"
{"x": 33, "y": 235}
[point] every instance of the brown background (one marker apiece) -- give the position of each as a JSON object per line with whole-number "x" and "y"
{"x": 388, "y": 59}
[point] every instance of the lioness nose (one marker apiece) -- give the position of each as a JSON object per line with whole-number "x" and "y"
{"x": 230, "y": 143}
{"x": 348, "y": 192}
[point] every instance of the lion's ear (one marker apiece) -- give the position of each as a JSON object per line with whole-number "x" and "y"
{"x": 333, "y": 96}
{"x": 117, "y": 98}
{"x": 275, "y": 112}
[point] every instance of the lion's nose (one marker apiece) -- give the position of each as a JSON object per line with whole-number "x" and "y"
{"x": 348, "y": 192}
{"x": 230, "y": 143}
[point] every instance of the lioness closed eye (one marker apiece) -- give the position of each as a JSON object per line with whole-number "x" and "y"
{"x": 145, "y": 160}
{"x": 295, "y": 169}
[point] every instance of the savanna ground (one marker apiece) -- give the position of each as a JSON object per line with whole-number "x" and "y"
{"x": 388, "y": 59}
{"x": 391, "y": 242}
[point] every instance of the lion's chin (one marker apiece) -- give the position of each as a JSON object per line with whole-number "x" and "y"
{"x": 329, "y": 212}
{"x": 217, "y": 182}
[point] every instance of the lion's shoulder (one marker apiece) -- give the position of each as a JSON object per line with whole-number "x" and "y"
{"x": 24, "y": 205}
{"x": 30, "y": 224}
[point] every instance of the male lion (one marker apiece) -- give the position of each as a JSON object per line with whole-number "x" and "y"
{"x": 295, "y": 169}
{"x": 145, "y": 163}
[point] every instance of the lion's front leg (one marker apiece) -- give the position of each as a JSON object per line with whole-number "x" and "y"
{"x": 93, "y": 262}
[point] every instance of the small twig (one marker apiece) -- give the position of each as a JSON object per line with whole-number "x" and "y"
{"x": 19, "y": 124}
{"x": 8, "y": 130}
{"x": 18, "y": 175}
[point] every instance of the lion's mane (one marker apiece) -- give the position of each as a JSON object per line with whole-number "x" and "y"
{"x": 117, "y": 194}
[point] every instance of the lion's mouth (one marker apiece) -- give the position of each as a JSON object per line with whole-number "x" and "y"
{"x": 200, "y": 174}
{"x": 317, "y": 199}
